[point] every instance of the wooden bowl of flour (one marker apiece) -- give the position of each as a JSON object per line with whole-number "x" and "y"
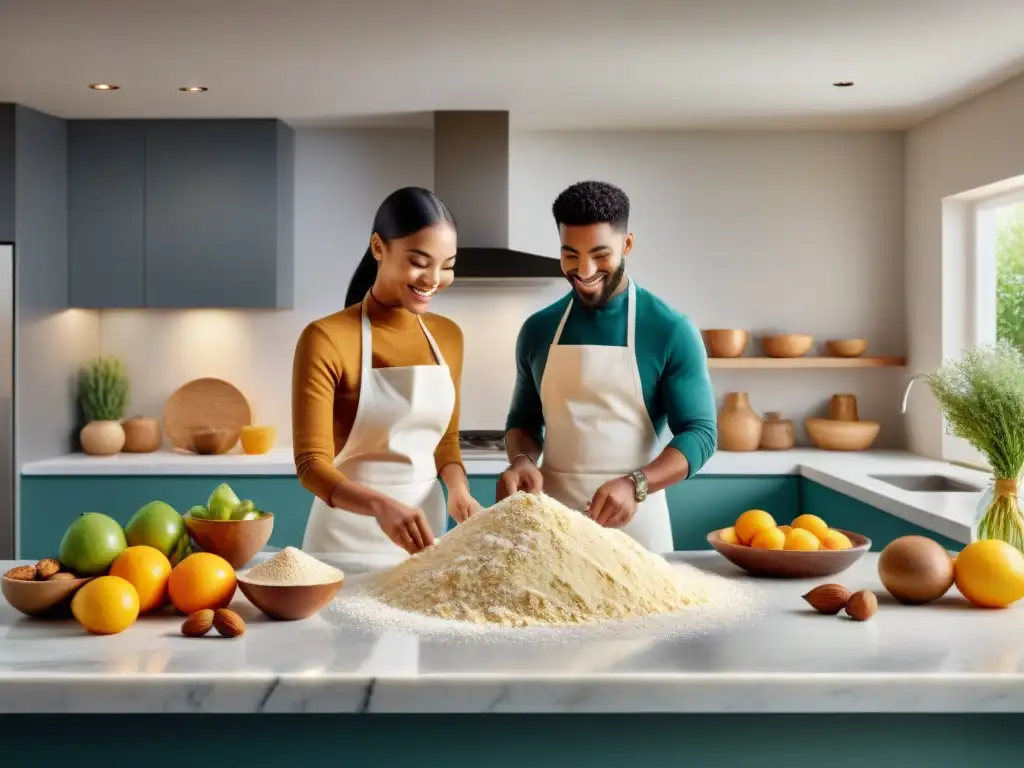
{"x": 291, "y": 585}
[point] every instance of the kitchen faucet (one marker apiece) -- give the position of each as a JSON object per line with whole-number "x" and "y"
{"x": 906, "y": 392}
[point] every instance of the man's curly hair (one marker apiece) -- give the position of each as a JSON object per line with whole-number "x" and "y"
{"x": 592, "y": 202}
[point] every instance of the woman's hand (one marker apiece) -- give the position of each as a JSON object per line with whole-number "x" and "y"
{"x": 462, "y": 505}
{"x": 406, "y": 526}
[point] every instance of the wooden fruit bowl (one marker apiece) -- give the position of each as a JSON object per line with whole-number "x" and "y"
{"x": 289, "y": 603}
{"x": 834, "y": 435}
{"x": 50, "y": 598}
{"x": 725, "y": 342}
{"x": 846, "y": 347}
{"x": 789, "y": 564}
{"x": 237, "y": 541}
{"x": 787, "y": 344}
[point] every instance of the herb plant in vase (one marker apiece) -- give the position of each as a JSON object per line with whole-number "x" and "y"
{"x": 103, "y": 396}
{"x": 982, "y": 399}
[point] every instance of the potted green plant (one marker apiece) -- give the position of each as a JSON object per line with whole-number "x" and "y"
{"x": 103, "y": 397}
{"x": 982, "y": 400}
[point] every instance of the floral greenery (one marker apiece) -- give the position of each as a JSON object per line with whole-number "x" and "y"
{"x": 1010, "y": 275}
{"x": 982, "y": 399}
{"x": 103, "y": 389}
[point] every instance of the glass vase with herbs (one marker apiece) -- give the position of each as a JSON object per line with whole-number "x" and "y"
{"x": 982, "y": 400}
{"x": 103, "y": 397}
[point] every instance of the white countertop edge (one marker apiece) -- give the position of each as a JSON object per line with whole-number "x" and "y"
{"x": 500, "y": 693}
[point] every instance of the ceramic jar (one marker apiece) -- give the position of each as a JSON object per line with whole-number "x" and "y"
{"x": 739, "y": 428}
{"x": 102, "y": 438}
{"x": 142, "y": 435}
{"x": 777, "y": 433}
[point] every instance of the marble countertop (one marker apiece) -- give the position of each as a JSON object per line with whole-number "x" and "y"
{"x": 849, "y": 473}
{"x": 944, "y": 657}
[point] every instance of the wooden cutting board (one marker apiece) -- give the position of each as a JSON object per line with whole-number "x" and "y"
{"x": 205, "y": 403}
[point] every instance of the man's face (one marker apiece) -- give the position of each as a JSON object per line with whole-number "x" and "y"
{"x": 593, "y": 261}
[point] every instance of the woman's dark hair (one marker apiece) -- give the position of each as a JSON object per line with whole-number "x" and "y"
{"x": 404, "y": 212}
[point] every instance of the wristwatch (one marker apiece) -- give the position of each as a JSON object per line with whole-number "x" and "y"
{"x": 640, "y": 481}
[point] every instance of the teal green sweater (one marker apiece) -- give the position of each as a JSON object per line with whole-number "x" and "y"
{"x": 670, "y": 355}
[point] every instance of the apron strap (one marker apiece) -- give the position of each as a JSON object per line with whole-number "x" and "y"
{"x": 433, "y": 344}
{"x": 366, "y": 342}
{"x": 561, "y": 324}
{"x": 631, "y": 316}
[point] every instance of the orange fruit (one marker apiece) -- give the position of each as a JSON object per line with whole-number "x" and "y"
{"x": 201, "y": 580}
{"x": 834, "y": 539}
{"x": 750, "y": 522}
{"x": 989, "y": 573}
{"x": 147, "y": 569}
{"x": 812, "y": 523}
{"x": 801, "y": 540}
{"x": 768, "y": 538}
{"x": 728, "y": 536}
{"x": 785, "y": 528}
{"x": 106, "y": 606}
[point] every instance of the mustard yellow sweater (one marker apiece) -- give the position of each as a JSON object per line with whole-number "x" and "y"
{"x": 325, "y": 383}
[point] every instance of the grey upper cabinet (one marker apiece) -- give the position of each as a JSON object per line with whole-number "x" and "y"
{"x": 205, "y": 210}
{"x": 106, "y": 228}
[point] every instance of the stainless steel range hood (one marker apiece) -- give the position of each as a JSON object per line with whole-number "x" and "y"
{"x": 471, "y": 174}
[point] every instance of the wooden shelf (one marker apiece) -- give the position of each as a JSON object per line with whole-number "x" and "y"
{"x": 746, "y": 363}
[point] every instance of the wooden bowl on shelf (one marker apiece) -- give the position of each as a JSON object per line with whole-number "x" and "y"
{"x": 209, "y": 441}
{"x": 50, "y": 598}
{"x": 725, "y": 342}
{"x": 846, "y": 347}
{"x": 787, "y": 344}
{"x": 237, "y": 541}
{"x": 289, "y": 603}
{"x": 832, "y": 435}
{"x": 788, "y": 564}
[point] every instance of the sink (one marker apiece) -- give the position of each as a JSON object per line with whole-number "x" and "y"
{"x": 928, "y": 483}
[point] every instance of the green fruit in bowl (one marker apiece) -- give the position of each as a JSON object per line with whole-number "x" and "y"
{"x": 91, "y": 543}
{"x": 198, "y": 512}
{"x": 183, "y": 550}
{"x": 245, "y": 510}
{"x": 222, "y": 502}
{"x": 156, "y": 525}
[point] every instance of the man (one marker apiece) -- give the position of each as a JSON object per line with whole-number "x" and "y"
{"x": 599, "y": 373}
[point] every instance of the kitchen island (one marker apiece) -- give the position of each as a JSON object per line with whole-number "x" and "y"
{"x": 793, "y": 684}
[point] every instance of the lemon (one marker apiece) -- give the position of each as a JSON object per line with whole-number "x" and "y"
{"x": 106, "y": 606}
{"x": 990, "y": 573}
{"x": 786, "y": 529}
{"x": 812, "y": 523}
{"x": 834, "y": 539}
{"x": 750, "y": 522}
{"x": 768, "y": 538}
{"x": 728, "y": 536}
{"x": 801, "y": 540}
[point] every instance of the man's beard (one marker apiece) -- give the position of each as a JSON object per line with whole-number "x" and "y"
{"x": 611, "y": 285}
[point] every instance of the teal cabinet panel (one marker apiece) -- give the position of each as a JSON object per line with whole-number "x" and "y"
{"x": 705, "y": 503}
{"x": 49, "y": 504}
{"x": 106, "y": 226}
{"x": 484, "y": 490}
{"x": 841, "y": 511}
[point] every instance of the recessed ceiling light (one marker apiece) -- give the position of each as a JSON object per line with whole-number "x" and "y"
{"x": 843, "y": 84}
{"x": 193, "y": 88}
{"x": 104, "y": 87}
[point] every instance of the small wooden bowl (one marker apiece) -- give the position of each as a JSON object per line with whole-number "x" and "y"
{"x": 785, "y": 564}
{"x": 208, "y": 441}
{"x": 725, "y": 342}
{"x": 237, "y": 541}
{"x": 832, "y": 435}
{"x": 289, "y": 603}
{"x": 42, "y": 599}
{"x": 787, "y": 344}
{"x": 846, "y": 347}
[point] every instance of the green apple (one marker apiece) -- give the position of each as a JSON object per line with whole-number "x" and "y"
{"x": 199, "y": 512}
{"x": 156, "y": 525}
{"x": 91, "y": 543}
{"x": 222, "y": 502}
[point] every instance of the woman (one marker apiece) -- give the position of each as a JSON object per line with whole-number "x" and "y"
{"x": 375, "y": 393}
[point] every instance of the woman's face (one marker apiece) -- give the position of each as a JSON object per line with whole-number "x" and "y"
{"x": 412, "y": 270}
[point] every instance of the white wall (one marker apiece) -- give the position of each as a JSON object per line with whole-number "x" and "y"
{"x": 972, "y": 145}
{"x": 767, "y": 231}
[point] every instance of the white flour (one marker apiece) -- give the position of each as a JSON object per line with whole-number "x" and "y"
{"x": 291, "y": 567}
{"x": 529, "y": 568}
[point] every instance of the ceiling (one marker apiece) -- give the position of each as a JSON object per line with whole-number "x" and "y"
{"x": 551, "y": 63}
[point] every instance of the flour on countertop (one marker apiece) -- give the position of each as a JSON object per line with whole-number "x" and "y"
{"x": 530, "y": 563}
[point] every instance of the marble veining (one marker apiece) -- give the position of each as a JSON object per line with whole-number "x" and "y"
{"x": 946, "y": 657}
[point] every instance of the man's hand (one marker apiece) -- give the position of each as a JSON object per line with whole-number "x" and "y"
{"x": 462, "y": 506}
{"x": 614, "y": 504}
{"x": 522, "y": 475}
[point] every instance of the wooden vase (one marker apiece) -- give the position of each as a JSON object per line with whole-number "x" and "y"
{"x": 102, "y": 438}
{"x": 843, "y": 408}
{"x": 739, "y": 428}
{"x": 142, "y": 435}
{"x": 777, "y": 434}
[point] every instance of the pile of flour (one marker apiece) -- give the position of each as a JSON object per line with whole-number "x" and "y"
{"x": 531, "y": 563}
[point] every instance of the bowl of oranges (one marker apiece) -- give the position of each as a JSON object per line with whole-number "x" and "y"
{"x": 806, "y": 548}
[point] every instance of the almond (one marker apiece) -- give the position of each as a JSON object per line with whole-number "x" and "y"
{"x": 862, "y": 605}
{"x": 62, "y": 576}
{"x": 828, "y": 598}
{"x": 197, "y": 624}
{"x": 47, "y": 568}
{"x": 22, "y": 573}
{"x": 228, "y": 623}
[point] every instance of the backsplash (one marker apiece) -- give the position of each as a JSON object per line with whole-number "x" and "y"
{"x": 759, "y": 230}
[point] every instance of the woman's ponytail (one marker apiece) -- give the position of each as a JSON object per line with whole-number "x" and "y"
{"x": 362, "y": 280}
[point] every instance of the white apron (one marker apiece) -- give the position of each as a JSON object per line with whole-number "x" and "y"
{"x": 597, "y": 428}
{"x": 401, "y": 416}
